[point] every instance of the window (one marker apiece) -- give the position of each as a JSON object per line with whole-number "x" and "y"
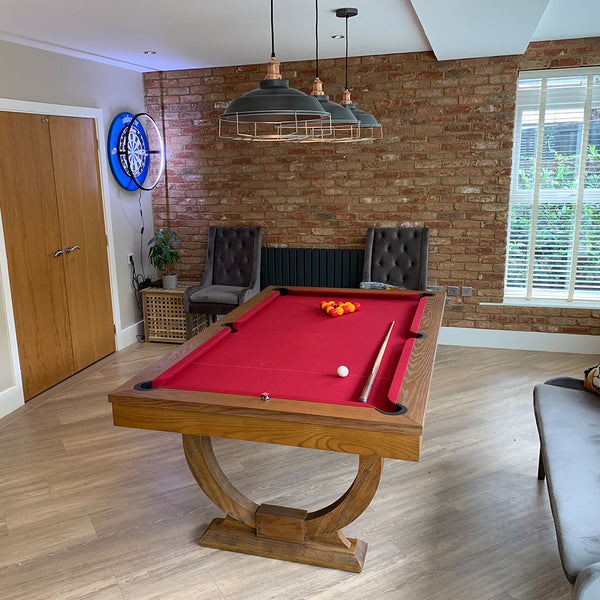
{"x": 553, "y": 248}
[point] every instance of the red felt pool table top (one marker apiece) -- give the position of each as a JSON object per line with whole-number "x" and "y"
{"x": 287, "y": 346}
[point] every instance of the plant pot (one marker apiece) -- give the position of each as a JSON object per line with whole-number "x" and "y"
{"x": 169, "y": 282}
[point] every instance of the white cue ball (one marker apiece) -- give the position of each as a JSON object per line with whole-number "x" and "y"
{"x": 342, "y": 371}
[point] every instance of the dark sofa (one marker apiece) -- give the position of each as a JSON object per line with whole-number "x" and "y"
{"x": 568, "y": 420}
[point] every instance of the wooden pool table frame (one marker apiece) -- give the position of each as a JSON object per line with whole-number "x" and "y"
{"x": 280, "y": 532}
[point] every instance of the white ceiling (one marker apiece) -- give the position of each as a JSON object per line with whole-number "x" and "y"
{"x": 204, "y": 33}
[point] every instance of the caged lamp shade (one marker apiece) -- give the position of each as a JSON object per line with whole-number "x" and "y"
{"x": 340, "y": 115}
{"x": 258, "y": 114}
{"x": 364, "y": 118}
{"x": 342, "y": 126}
{"x": 273, "y": 102}
{"x": 274, "y": 111}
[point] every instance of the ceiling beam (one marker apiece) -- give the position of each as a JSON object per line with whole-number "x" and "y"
{"x": 475, "y": 28}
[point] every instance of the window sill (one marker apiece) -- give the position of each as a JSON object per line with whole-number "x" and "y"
{"x": 548, "y": 303}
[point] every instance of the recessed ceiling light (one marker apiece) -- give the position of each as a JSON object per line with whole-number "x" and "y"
{"x": 149, "y": 51}
{"x": 338, "y": 37}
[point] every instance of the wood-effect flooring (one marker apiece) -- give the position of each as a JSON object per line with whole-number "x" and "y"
{"x": 93, "y": 511}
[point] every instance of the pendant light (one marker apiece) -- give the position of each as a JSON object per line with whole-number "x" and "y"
{"x": 256, "y": 114}
{"x": 370, "y": 128}
{"x": 342, "y": 126}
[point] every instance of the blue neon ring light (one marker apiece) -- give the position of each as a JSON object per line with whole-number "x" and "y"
{"x": 128, "y": 151}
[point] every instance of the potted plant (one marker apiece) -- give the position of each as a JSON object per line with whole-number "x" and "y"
{"x": 163, "y": 254}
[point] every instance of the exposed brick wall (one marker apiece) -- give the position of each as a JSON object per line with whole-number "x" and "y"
{"x": 444, "y": 163}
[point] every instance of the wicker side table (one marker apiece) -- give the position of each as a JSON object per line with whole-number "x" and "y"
{"x": 164, "y": 317}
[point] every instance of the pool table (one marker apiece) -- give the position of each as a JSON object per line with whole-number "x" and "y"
{"x": 267, "y": 372}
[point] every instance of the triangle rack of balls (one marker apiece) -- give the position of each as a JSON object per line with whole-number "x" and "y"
{"x": 337, "y": 308}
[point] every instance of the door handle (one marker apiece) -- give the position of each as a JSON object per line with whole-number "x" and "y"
{"x": 68, "y": 249}
{"x": 59, "y": 252}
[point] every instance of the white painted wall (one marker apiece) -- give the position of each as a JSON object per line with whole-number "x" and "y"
{"x": 46, "y": 78}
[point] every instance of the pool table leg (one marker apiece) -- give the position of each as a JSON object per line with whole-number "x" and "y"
{"x": 280, "y": 532}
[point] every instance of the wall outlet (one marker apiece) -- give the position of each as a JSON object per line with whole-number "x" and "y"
{"x": 452, "y": 290}
{"x": 434, "y": 288}
{"x": 467, "y": 291}
{"x": 130, "y": 258}
{"x": 447, "y": 302}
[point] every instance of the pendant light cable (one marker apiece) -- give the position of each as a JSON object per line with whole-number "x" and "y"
{"x": 343, "y": 124}
{"x": 272, "y": 33}
{"x": 370, "y": 128}
{"x": 346, "y": 53}
{"x": 317, "y": 39}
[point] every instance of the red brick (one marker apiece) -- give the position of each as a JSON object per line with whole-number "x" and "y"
{"x": 444, "y": 163}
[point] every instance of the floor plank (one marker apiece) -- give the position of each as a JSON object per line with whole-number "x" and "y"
{"x": 88, "y": 510}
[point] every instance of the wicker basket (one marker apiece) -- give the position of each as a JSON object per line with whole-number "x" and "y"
{"x": 164, "y": 317}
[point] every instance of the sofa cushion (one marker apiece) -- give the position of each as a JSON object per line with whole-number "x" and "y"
{"x": 568, "y": 419}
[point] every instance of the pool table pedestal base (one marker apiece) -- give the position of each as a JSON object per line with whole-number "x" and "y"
{"x": 291, "y": 534}
{"x": 335, "y": 551}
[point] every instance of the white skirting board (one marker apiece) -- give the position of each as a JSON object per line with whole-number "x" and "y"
{"x": 128, "y": 336}
{"x": 10, "y": 400}
{"x": 464, "y": 336}
{"x": 520, "y": 340}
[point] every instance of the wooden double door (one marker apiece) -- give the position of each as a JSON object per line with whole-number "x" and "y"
{"x": 52, "y": 215}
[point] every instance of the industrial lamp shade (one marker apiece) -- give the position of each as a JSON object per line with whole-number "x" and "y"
{"x": 370, "y": 127}
{"x": 339, "y": 114}
{"x": 274, "y": 101}
{"x": 343, "y": 126}
{"x": 364, "y": 118}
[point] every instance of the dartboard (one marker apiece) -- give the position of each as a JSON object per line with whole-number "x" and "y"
{"x": 129, "y": 152}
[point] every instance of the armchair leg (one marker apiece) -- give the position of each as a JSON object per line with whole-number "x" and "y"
{"x": 189, "y": 326}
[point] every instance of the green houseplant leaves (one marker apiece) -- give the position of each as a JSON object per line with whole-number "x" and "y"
{"x": 163, "y": 252}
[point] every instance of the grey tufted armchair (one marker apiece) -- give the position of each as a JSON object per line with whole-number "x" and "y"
{"x": 232, "y": 273}
{"x": 396, "y": 257}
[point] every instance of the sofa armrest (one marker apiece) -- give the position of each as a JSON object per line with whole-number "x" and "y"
{"x": 566, "y": 382}
{"x": 587, "y": 584}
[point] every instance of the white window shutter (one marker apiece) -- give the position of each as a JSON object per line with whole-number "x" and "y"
{"x": 553, "y": 248}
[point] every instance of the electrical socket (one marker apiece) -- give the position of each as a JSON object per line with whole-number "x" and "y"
{"x": 434, "y": 288}
{"x": 448, "y": 303}
{"x": 467, "y": 291}
{"x": 130, "y": 258}
{"x": 452, "y": 290}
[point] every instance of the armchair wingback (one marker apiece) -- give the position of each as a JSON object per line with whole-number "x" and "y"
{"x": 396, "y": 257}
{"x": 232, "y": 273}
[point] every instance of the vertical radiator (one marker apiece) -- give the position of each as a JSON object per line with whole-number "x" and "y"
{"x": 313, "y": 267}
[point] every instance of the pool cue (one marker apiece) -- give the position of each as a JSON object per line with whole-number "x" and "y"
{"x": 369, "y": 384}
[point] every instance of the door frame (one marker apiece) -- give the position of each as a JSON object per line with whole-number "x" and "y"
{"x": 13, "y": 397}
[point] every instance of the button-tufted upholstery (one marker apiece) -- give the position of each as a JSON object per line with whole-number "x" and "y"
{"x": 396, "y": 257}
{"x": 232, "y": 273}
